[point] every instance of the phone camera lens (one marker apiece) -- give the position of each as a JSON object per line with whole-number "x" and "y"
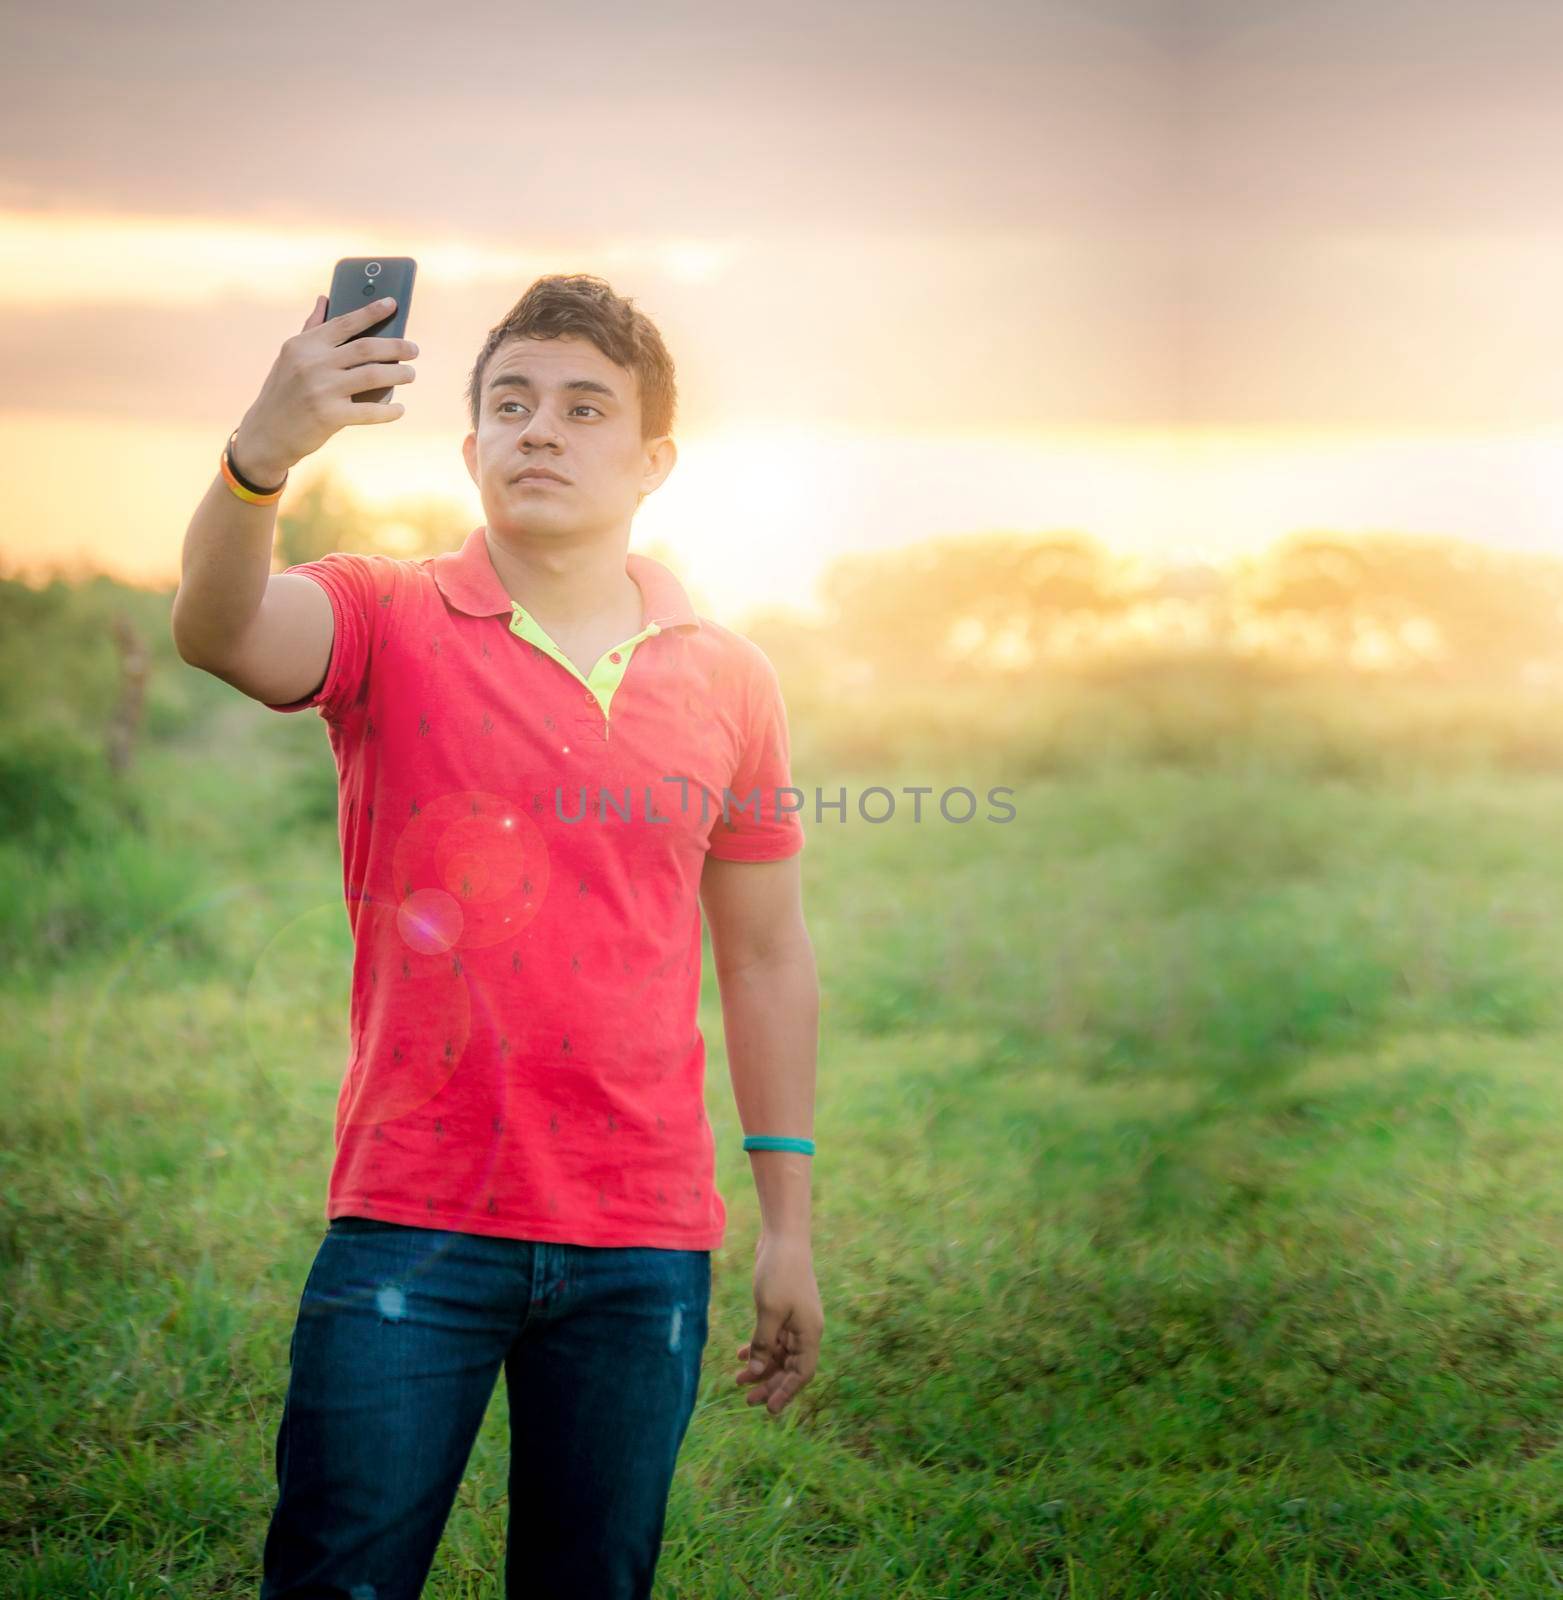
{"x": 372, "y": 270}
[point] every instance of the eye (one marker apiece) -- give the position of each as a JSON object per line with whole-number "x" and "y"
{"x": 582, "y": 407}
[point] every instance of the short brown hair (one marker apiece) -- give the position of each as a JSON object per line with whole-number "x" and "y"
{"x": 586, "y": 306}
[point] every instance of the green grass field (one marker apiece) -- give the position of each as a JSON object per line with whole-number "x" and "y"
{"x": 1187, "y": 1206}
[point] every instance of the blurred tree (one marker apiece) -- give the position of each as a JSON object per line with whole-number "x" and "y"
{"x": 425, "y": 527}
{"x": 972, "y": 602}
{"x": 1441, "y": 605}
{"x": 124, "y": 724}
{"x": 314, "y": 521}
{"x": 323, "y": 517}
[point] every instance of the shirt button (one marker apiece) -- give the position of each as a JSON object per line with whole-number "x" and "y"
{"x": 590, "y": 696}
{"x": 615, "y": 656}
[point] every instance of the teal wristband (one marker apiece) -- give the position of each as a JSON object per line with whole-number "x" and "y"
{"x": 776, "y": 1141}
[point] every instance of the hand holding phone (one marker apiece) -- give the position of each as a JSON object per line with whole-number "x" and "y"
{"x": 317, "y": 385}
{"x": 356, "y": 280}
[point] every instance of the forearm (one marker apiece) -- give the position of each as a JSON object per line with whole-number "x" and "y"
{"x": 226, "y": 563}
{"x": 770, "y": 1016}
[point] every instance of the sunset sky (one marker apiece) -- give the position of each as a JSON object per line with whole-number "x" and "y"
{"x": 1181, "y": 276}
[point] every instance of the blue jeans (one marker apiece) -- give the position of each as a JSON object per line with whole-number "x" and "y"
{"x": 400, "y": 1336}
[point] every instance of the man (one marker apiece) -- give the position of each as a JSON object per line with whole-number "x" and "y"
{"x": 548, "y": 765}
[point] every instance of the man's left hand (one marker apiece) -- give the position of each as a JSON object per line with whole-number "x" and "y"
{"x": 789, "y": 1323}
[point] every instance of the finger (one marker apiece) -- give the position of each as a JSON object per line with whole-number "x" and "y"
{"x": 774, "y": 1397}
{"x": 375, "y": 374}
{"x": 777, "y": 1388}
{"x": 770, "y": 1384}
{"x": 776, "y": 1400}
{"x": 747, "y": 1376}
{"x": 787, "y": 1342}
{"x": 785, "y": 1390}
{"x": 766, "y": 1344}
{"x": 395, "y": 355}
{"x": 317, "y": 316}
{"x": 772, "y": 1361}
{"x": 352, "y": 323}
{"x": 372, "y": 411}
{"x": 783, "y": 1347}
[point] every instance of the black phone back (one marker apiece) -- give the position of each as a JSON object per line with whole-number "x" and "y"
{"x": 358, "y": 279}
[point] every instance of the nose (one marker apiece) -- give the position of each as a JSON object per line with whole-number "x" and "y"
{"x": 539, "y": 429}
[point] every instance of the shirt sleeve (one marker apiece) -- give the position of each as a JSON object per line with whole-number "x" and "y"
{"x": 360, "y": 589}
{"x": 758, "y": 825}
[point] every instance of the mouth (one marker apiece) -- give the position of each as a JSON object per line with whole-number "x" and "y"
{"x": 533, "y": 476}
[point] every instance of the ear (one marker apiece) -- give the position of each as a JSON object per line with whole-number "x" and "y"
{"x": 661, "y": 454}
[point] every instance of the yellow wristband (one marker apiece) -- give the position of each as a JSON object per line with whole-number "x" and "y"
{"x": 256, "y": 497}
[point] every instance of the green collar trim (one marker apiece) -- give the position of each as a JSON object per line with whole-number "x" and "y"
{"x": 606, "y": 675}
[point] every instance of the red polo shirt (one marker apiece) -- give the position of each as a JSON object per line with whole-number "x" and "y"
{"x": 521, "y": 852}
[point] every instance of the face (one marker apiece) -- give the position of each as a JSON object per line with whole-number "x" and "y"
{"x": 563, "y": 405}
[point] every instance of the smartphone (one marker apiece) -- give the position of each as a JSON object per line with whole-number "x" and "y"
{"x": 357, "y": 279}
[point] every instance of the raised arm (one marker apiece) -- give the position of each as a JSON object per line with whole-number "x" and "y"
{"x": 270, "y": 636}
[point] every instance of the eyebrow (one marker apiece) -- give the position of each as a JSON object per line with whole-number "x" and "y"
{"x": 519, "y": 380}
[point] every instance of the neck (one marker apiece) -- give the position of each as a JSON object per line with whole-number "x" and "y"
{"x": 570, "y": 587}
